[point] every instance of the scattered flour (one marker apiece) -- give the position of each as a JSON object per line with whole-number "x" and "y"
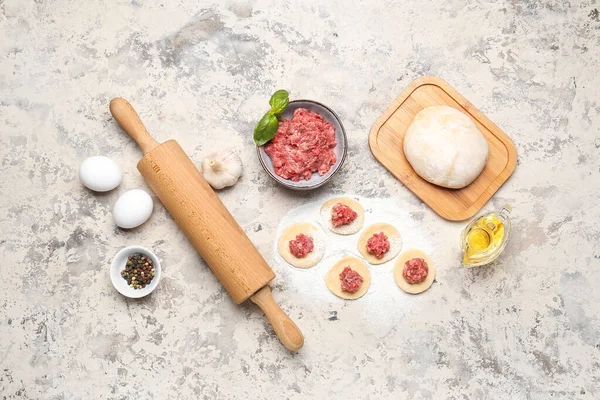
{"x": 384, "y": 297}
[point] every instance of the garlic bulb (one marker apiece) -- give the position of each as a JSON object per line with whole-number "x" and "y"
{"x": 222, "y": 169}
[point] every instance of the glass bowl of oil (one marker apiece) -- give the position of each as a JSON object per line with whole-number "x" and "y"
{"x": 484, "y": 239}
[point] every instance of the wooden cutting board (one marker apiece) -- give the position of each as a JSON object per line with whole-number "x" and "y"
{"x": 386, "y": 142}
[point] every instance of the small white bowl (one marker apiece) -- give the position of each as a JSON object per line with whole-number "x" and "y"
{"x": 118, "y": 265}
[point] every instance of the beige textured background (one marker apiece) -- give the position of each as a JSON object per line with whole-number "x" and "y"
{"x": 201, "y": 72}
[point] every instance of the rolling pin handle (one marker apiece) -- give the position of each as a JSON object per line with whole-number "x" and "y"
{"x": 284, "y": 327}
{"x": 131, "y": 123}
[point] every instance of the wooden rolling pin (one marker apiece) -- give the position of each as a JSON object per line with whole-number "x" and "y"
{"x": 206, "y": 222}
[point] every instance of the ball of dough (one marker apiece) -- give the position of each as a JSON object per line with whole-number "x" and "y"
{"x": 445, "y": 147}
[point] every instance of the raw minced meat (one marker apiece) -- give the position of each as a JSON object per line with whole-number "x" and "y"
{"x": 350, "y": 280}
{"x": 302, "y": 245}
{"x": 302, "y": 145}
{"x": 378, "y": 245}
{"x": 415, "y": 270}
{"x": 341, "y": 214}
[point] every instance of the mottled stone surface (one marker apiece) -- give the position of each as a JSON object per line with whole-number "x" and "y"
{"x": 201, "y": 72}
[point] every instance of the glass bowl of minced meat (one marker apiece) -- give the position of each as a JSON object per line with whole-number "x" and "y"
{"x": 309, "y": 148}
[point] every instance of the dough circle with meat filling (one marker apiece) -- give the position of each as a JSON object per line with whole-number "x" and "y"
{"x": 290, "y": 233}
{"x": 350, "y": 228}
{"x": 393, "y": 237}
{"x": 333, "y": 283}
{"x": 399, "y": 268}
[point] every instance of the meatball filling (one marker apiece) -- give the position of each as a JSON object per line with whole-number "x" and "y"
{"x": 350, "y": 280}
{"x": 378, "y": 245}
{"x": 302, "y": 245}
{"x": 341, "y": 214}
{"x": 415, "y": 271}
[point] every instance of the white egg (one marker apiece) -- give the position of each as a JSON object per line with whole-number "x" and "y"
{"x": 100, "y": 173}
{"x": 132, "y": 209}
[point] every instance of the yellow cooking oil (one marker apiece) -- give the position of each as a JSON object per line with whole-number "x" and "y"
{"x": 485, "y": 237}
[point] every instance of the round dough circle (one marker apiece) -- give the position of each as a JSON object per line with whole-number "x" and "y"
{"x": 352, "y": 227}
{"x": 444, "y": 147}
{"x": 332, "y": 279}
{"x": 399, "y": 267}
{"x": 290, "y": 233}
{"x": 393, "y": 237}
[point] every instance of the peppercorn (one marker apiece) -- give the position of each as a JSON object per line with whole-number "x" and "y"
{"x": 139, "y": 271}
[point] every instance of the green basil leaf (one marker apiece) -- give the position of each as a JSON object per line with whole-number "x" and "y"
{"x": 265, "y": 129}
{"x": 279, "y": 101}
